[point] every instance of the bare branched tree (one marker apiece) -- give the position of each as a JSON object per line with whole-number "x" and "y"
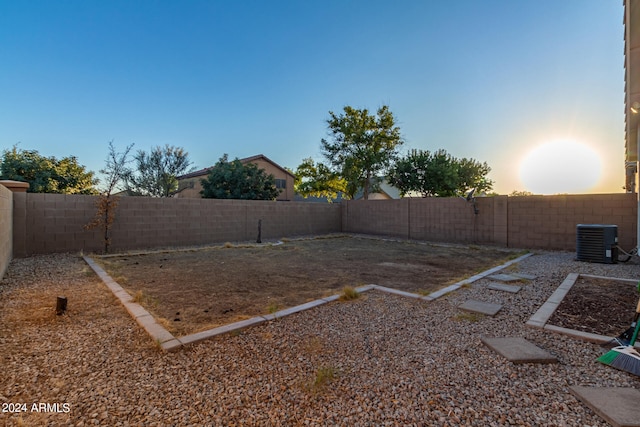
{"x": 115, "y": 171}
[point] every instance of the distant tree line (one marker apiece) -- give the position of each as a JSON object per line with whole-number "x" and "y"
{"x": 47, "y": 174}
{"x": 363, "y": 149}
{"x": 154, "y": 173}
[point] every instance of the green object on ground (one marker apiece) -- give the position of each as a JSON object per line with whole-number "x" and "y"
{"x": 626, "y": 358}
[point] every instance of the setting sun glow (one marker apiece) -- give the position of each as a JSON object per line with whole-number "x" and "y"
{"x": 560, "y": 166}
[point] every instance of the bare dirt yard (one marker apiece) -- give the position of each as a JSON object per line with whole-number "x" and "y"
{"x": 191, "y": 291}
{"x": 599, "y": 306}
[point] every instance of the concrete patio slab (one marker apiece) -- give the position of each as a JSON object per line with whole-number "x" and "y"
{"x": 502, "y": 277}
{"x": 514, "y": 289}
{"x": 617, "y": 405}
{"x": 481, "y": 307}
{"x": 518, "y": 350}
{"x": 524, "y": 276}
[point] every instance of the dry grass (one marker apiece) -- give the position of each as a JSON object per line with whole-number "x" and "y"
{"x": 145, "y": 299}
{"x": 468, "y": 317}
{"x": 349, "y": 294}
{"x": 324, "y": 375}
{"x": 314, "y": 346}
{"x": 217, "y": 286}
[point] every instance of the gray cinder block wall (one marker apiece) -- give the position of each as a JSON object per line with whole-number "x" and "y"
{"x": 56, "y": 223}
{"x": 532, "y": 222}
{"x": 6, "y": 228}
{"x": 45, "y": 223}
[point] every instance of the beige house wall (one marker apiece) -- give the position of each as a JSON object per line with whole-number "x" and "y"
{"x": 191, "y": 187}
{"x": 6, "y": 229}
{"x": 286, "y": 193}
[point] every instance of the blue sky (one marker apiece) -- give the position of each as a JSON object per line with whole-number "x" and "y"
{"x": 488, "y": 79}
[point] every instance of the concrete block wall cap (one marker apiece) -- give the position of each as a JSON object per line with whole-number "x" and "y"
{"x": 15, "y": 186}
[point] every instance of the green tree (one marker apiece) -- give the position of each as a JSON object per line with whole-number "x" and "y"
{"x": 234, "y": 180}
{"x": 317, "y": 180}
{"x": 361, "y": 147}
{"x": 520, "y": 193}
{"x": 47, "y": 174}
{"x": 157, "y": 171}
{"x": 438, "y": 174}
{"x": 473, "y": 174}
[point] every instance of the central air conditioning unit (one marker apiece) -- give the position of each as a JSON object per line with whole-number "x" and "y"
{"x": 597, "y": 243}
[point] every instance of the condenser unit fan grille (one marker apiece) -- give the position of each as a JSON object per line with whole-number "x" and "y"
{"x": 597, "y": 243}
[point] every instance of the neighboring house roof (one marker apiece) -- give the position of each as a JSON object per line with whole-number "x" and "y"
{"x": 386, "y": 190}
{"x": 205, "y": 171}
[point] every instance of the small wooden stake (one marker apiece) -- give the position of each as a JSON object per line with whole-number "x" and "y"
{"x": 61, "y": 305}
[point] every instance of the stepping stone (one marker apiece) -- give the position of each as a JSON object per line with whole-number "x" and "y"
{"x": 481, "y": 307}
{"x": 524, "y": 276}
{"x": 505, "y": 277}
{"x": 518, "y": 350}
{"x": 503, "y": 287}
{"x": 617, "y": 405}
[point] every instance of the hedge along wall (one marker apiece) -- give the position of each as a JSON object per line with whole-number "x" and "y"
{"x": 6, "y": 228}
{"x": 55, "y": 223}
{"x": 533, "y": 222}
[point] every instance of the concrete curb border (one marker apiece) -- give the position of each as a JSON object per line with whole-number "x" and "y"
{"x": 472, "y": 279}
{"x": 544, "y": 313}
{"x": 167, "y": 342}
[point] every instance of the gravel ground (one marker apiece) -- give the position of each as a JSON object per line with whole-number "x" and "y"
{"x": 381, "y": 360}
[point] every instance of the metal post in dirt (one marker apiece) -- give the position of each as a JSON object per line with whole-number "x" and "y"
{"x": 61, "y": 305}
{"x": 259, "y": 240}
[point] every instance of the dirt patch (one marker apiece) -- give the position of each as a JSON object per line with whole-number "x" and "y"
{"x": 599, "y": 306}
{"x": 190, "y": 291}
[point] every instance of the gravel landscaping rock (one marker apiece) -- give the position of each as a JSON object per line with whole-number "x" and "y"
{"x": 380, "y": 360}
